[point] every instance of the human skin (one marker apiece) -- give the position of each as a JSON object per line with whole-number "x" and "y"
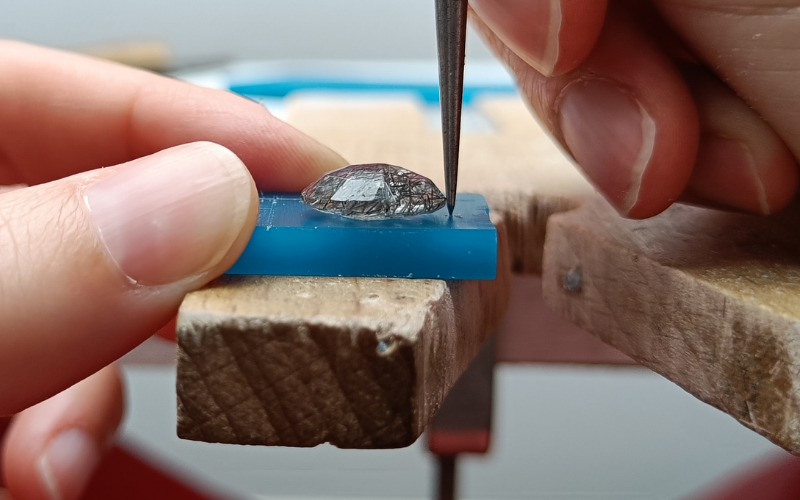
{"x": 662, "y": 100}
{"x": 657, "y": 101}
{"x": 95, "y": 260}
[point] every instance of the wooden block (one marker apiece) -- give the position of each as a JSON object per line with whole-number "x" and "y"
{"x": 287, "y": 361}
{"x": 355, "y": 362}
{"x": 532, "y": 333}
{"x": 710, "y": 300}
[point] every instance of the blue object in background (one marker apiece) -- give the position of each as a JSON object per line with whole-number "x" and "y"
{"x": 428, "y": 93}
{"x": 293, "y": 239}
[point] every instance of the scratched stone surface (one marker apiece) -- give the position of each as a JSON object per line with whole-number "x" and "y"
{"x": 374, "y": 191}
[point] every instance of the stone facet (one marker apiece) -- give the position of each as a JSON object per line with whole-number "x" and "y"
{"x": 373, "y": 191}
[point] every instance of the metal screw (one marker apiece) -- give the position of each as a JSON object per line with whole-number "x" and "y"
{"x": 383, "y": 346}
{"x": 573, "y": 281}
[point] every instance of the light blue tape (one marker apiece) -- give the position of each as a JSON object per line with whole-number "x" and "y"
{"x": 428, "y": 93}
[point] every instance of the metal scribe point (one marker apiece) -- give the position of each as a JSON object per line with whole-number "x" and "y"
{"x": 451, "y": 35}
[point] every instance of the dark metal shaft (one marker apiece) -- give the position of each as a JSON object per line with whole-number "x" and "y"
{"x": 446, "y": 477}
{"x": 451, "y": 31}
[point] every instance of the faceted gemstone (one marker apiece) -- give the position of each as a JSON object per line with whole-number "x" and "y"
{"x": 374, "y": 191}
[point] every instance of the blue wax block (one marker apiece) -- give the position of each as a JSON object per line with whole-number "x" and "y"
{"x": 293, "y": 239}
{"x": 429, "y": 93}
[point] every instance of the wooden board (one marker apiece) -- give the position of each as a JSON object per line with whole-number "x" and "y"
{"x": 706, "y": 298}
{"x": 356, "y": 362}
{"x": 295, "y": 361}
{"x": 531, "y": 332}
{"x": 710, "y": 300}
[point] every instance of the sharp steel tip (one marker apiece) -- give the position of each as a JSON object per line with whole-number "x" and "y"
{"x": 451, "y": 207}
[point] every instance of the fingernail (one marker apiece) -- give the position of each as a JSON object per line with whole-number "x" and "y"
{"x": 174, "y": 214}
{"x": 725, "y": 173}
{"x": 530, "y": 29}
{"x": 67, "y": 464}
{"x": 610, "y": 135}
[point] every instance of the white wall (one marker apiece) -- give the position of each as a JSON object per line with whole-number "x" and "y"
{"x": 202, "y": 31}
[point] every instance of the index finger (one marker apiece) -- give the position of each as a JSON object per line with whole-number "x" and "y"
{"x": 552, "y": 36}
{"x": 63, "y": 113}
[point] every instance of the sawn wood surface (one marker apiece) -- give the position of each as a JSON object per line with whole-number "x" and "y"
{"x": 709, "y": 299}
{"x": 364, "y": 363}
{"x": 355, "y": 362}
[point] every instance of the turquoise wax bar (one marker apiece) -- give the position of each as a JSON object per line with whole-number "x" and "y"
{"x": 293, "y": 239}
{"x": 428, "y": 93}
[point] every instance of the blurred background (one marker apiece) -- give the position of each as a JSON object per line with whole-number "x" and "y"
{"x": 199, "y": 32}
{"x": 560, "y": 432}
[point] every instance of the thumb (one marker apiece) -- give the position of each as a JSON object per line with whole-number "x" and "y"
{"x": 91, "y": 265}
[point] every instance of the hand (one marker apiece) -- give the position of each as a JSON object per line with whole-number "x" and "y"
{"x": 93, "y": 261}
{"x": 660, "y": 100}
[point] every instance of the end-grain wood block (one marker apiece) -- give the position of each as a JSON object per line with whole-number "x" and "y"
{"x": 710, "y": 300}
{"x": 285, "y": 362}
{"x": 301, "y": 361}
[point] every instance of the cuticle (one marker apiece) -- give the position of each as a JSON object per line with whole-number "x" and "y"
{"x": 80, "y": 191}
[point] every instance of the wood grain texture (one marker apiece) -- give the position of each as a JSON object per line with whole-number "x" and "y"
{"x": 531, "y": 332}
{"x": 710, "y": 300}
{"x": 356, "y": 362}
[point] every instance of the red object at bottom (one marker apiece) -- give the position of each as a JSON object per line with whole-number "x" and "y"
{"x": 777, "y": 478}
{"x": 451, "y": 443}
{"x": 168, "y": 331}
{"x": 124, "y": 476}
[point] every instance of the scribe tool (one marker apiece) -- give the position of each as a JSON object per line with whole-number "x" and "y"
{"x": 451, "y": 35}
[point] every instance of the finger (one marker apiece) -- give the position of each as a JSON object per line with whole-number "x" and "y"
{"x": 625, "y": 114}
{"x": 742, "y": 163}
{"x": 551, "y": 36}
{"x": 64, "y": 114}
{"x": 754, "y": 47}
{"x": 54, "y": 447}
{"x": 167, "y": 332}
{"x": 650, "y": 21}
{"x": 5, "y": 422}
{"x": 8, "y": 189}
{"x": 95, "y": 263}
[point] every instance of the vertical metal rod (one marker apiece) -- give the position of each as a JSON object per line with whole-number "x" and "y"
{"x": 447, "y": 477}
{"x": 451, "y": 34}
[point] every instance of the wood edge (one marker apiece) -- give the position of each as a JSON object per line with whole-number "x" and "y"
{"x": 466, "y": 337}
{"x": 565, "y": 231}
{"x": 525, "y": 218}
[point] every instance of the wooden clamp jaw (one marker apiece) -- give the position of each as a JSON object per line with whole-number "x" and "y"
{"x": 711, "y": 300}
{"x": 355, "y": 362}
{"x": 708, "y": 299}
{"x": 366, "y": 362}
